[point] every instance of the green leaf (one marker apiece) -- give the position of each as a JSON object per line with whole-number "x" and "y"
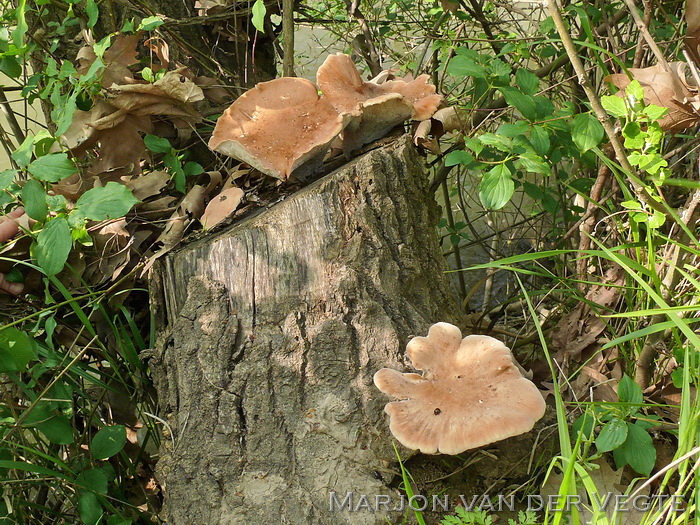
{"x": 655, "y": 112}
{"x": 496, "y": 187}
{"x": 10, "y": 66}
{"x": 527, "y": 81}
{"x": 118, "y": 520}
{"x": 635, "y": 90}
{"x": 34, "y": 200}
{"x": 108, "y": 442}
{"x": 58, "y": 430}
{"x": 615, "y": 106}
{"x": 638, "y": 450}
{"x": 540, "y": 139}
{"x": 613, "y": 434}
{"x": 259, "y": 10}
{"x": 93, "y": 479}
{"x": 586, "y": 131}
{"x": 453, "y": 158}
{"x": 634, "y": 136}
{"x": 107, "y": 202}
{"x": 157, "y": 144}
{"x": 90, "y": 508}
{"x": 462, "y": 66}
{"x": 150, "y": 23}
{"x": 500, "y": 143}
{"x": 21, "y": 28}
{"x": 523, "y": 103}
{"x": 100, "y": 48}
{"x": 53, "y": 245}
{"x": 92, "y": 11}
{"x": 534, "y": 164}
{"x": 23, "y": 155}
{"x": 53, "y": 167}
{"x": 17, "y": 350}
{"x": 499, "y": 68}
{"x": 192, "y": 168}
{"x": 63, "y": 114}
{"x": 7, "y": 177}
{"x": 629, "y": 392}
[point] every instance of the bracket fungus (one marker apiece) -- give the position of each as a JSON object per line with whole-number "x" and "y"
{"x": 375, "y": 108}
{"x": 284, "y": 125}
{"x": 471, "y": 393}
{"x": 278, "y": 127}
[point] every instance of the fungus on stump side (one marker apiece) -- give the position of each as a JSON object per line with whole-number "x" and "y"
{"x": 279, "y": 127}
{"x": 471, "y": 393}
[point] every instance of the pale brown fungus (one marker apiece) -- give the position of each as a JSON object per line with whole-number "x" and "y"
{"x": 471, "y": 393}
{"x": 279, "y": 127}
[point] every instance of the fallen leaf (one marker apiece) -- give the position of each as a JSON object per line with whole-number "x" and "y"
{"x": 221, "y": 207}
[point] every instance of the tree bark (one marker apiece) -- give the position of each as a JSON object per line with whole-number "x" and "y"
{"x": 270, "y": 333}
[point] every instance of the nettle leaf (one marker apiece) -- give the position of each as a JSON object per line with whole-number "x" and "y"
{"x": 534, "y": 164}
{"x": 34, "y": 200}
{"x": 638, "y": 450}
{"x": 107, "y": 202}
{"x": 527, "y": 81}
{"x": 500, "y": 143}
{"x": 157, "y": 144}
{"x": 615, "y": 106}
{"x": 17, "y": 350}
{"x": 628, "y": 391}
{"x": 52, "y": 168}
{"x": 150, "y": 23}
{"x": 453, "y": 158}
{"x": 53, "y": 245}
{"x": 462, "y": 66}
{"x": 612, "y": 435}
{"x": 586, "y": 131}
{"x": 496, "y": 187}
{"x": 258, "y": 15}
{"x": 108, "y": 442}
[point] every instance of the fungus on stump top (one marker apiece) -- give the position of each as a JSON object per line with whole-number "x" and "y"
{"x": 278, "y": 127}
{"x": 471, "y": 393}
{"x": 375, "y": 108}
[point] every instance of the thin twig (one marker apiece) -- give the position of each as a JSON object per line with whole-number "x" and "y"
{"x": 645, "y": 33}
{"x": 288, "y": 36}
{"x": 372, "y": 58}
{"x": 11, "y": 119}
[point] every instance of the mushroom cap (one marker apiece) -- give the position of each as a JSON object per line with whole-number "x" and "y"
{"x": 278, "y": 127}
{"x": 471, "y": 393}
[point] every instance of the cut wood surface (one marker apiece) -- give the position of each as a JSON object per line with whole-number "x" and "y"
{"x": 270, "y": 333}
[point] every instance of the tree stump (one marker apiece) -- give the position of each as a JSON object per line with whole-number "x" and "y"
{"x": 270, "y": 333}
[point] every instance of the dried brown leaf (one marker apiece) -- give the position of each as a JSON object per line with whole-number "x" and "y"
{"x": 221, "y": 207}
